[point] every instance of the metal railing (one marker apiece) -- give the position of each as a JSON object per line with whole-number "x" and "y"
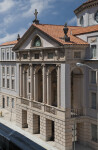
{"x": 76, "y": 113}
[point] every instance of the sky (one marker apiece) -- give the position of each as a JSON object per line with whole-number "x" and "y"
{"x": 16, "y": 16}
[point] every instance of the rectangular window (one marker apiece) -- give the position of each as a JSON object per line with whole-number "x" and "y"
{"x": 7, "y": 55}
{"x": 94, "y": 132}
{"x": 3, "y": 84}
{"x": 13, "y": 84}
{"x": 3, "y": 55}
{"x": 8, "y": 83}
{"x": 7, "y": 101}
{"x": 93, "y": 77}
{"x": 25, "y": 56}
{"x": 3, "y": 70}
{"x": 50, "y": 55}
{"x": 8, "y": 71}
{"x": 29, "y": 72}
{"x": 12, "y": 71}
{"x": 93, "y": 51}
{"x": 77, "y": 55}
{"x": 29, "y": 88}
{"x": 36, "y": 56}
{"x": 12, "y": 55}
{"x": 93, "y": 102}
{"x": 12, "y": 102}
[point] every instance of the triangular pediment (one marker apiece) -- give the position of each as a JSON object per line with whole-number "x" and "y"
{"x": 26, "y": 42}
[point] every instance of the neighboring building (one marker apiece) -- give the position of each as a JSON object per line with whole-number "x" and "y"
{"x": 8, "y": 75}
{"x": 53, "y": 94}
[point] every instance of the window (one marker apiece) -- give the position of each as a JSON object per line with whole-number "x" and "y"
{"x": 29, "y": 88}
{"x": 50, "y": 55}
{"x": 3, "y": 84}
{"x": 13, "y": 84}
{"x": 93, "y": 77}
{"x": 94, "y": 132}
{"x": 77, "y": 55}
{"x": 7, "y": 55}
{"x": 37, "y": 42}
{"x": 8, "y": 83}
{"x": 25, "y": 56}
{"x": 36, "y": 56}
{"x": 82, "y": 21}
{"x": 7, "y": 101}
{"x": 3, "y": 70}
{"x": 96, "y": 16}
{"x": 29, "y": 72}
{"x": 7, "y": 70}
{"x": 93, "y": 100}
{"x": 93, "y": 51}
{"x": 12, "y": 102}
{"x": 12, "y": 71}
{"x": 3, "y": 55}
{"x": 12, "y": 55}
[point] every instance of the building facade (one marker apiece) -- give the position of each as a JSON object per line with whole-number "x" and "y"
{"x": 8, "y": 76}
{"x": 54, "y": 96}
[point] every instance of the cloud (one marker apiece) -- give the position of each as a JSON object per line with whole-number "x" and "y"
{"x": 5, "y": 5}
{"x": 40, "y": 5}
{"x": 13, "y": 36}
{"x": 72, "y": 21}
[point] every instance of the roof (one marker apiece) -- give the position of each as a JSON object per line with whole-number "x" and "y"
{"x": 9, "y": 43}
{"x": 57, "y": 33}
{"x": 85, "y": 30}
{"x": 87, "y": 4}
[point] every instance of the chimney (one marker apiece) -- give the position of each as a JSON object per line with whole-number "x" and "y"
{"x": 67, "y": 39}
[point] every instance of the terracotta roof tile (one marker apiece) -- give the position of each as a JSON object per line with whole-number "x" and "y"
{"x": 85, "y": 30}
{"x": 9, "y": 43}
{"x": 57, "y": 33}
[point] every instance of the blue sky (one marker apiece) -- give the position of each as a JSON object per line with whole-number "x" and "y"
{"x": 17, "y": 15}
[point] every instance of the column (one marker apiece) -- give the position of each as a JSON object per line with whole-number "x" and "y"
{"x": 44, "y": 84}
{"x": 32, "y": 81}
{"x": 23, "y": 83}
{"x": 35, "y": 84}
{"x": 58, "y": 85}
{"x": 48, "y": 87}
{"x": 20, "y": 82}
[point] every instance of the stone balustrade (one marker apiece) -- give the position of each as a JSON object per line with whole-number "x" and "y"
{"x": 76, "y": 113}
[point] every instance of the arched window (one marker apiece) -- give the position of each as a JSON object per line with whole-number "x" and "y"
{"x": 37, "y": 42}
{"x": 96, "y": 16}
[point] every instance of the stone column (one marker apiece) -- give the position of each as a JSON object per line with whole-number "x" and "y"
{"x": 35, "y": 84}
{"x": 32, "y": 81}
{"x": 48, "y": 87}
{"x": 20, "y": 82}
{"x": 44, "y": 84}
{"x": 23, "y": 83}
{"x": 58, "y": 85}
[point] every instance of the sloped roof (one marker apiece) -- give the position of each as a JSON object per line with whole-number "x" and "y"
{"x": 57, "y": 33}
{"x": 87, "y": 4}
{"x": 9, "y": 43}
{"x": 85, "y": 30}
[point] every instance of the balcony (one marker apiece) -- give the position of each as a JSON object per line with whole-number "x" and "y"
{"x": 76, "y": 113}
{"x": 25, "y": 101}
{"x": 50, "y": 109}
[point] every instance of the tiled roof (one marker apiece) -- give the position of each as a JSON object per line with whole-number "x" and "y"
{"x": 9, "y": 43}
{"x": 85, "y": 5}
{"x": 85, "y": 30}
{"x": 57, "y": 33}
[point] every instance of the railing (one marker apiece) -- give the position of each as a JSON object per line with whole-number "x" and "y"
{"x": 25, "y": 101}
{"x": 50, "y": 109}
{"x": 36, "y": 105}
{"x": 76, "y": 113}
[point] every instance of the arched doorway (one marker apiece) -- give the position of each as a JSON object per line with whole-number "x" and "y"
{"x": 54, "y": 88}
{"x": 76, "y": 91}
